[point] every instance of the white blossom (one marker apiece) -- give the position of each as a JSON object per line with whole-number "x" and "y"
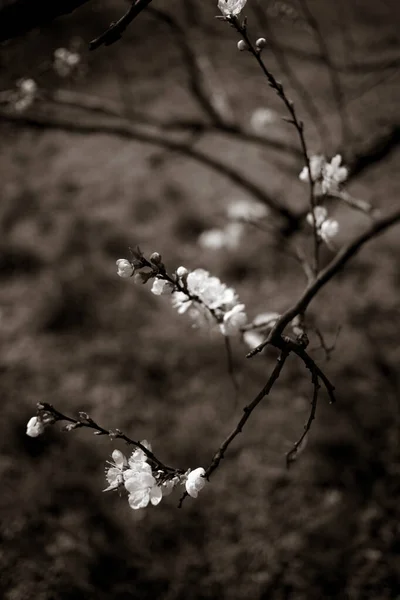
{"x": 234, "y": 320}
{"x": 142, "y": 488}
{"x": 228, "y": 237}
{"x": 124, "y": 268}
{"x": 161, "y": 287}
{"x": 34, "y": 427}
{"x": 231, "y": 8}
{"x": 207, "y": 300}
{"x": 317, "y": 163}
{"x": 320, "y": 215}
{"x": 114, "y": 474}
{"x": 65, "y": 61}
{"x": 253, "y": 338}
{"x": 195, "y": 482}
{"x": 333, "y": 175}
{"x": 326, "y": 228}
{"x": 25, "y": 95}
{"x": 261, "y": 118}
{"x": 326, "y": 175}
{"x": 247, "y": 210}
{"x": 329, "y": 229}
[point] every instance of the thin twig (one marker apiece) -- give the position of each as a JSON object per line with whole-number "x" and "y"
{"x": 219, "y": 455}
{"x": 293, "y": 120}
{"x": 47, "y": 410}
{"x": 292, "y": 455}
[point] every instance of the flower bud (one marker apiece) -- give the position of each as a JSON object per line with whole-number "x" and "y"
{"x": 155, "y": 258}
{"x": 241, "y": 45}
{"x": 261, "y": 43}
{"x": 34, "y": 427}
{"x": 124, "y": 268}
{"x": 182, "y": 272}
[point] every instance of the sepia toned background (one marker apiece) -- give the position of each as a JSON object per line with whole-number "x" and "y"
{"x": 78, "y": 187}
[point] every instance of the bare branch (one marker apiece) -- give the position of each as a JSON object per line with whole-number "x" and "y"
{"x": 292, "y": 455}
{"x": 128, "y": 130}
{"x": 116, "y": 29}
{"x": 50, "y": 414}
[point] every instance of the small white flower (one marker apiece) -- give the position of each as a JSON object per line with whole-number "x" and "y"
{"x": 317, "y": 164}
{"x": 65, "y": 61}
{"x": 234, "y": 320}
{"x": 161, "y": 287}
{"x": 333, "y": 175}
{"x": 253, "y": 338}
{"x": 231, "y": 8}
{"x": 27, "y": 86}
{"x": 142, "y": 488}
{"x": 228, "y": 237}
{"x": 195, "y": 482}
{"x": 34, "y": 427}
{"x": 124, "y": 268}
{"x": 114, "y": 474}
{"x": 320, "y": 215}
{"x": 247, "y": 210}
{"x": 261, "y": 118}
{"x": 329, "y": 229}
{"x": 25, "y": 94}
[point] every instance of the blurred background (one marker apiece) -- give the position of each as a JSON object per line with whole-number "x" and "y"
{"x": 148, "y": 142}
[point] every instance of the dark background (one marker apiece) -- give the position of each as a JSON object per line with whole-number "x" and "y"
{"x": 75, "y": 335}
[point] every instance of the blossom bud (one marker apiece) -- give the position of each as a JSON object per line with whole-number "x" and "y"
{"x": 195, "y": 482}
{"x": 241, "y": 45}
{"x": 34, "y": 427}
{"x": 124, "y": 268}
{"x": 261, "y": 43}
{"x": 155, "y": 258}
{"x": 182, "y": 272}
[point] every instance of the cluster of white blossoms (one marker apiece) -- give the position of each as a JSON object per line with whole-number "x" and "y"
{"x": 145, "y": 486}
{"x": 209, "y": 302}
{"x": 327, "y": 176}
{"x": 25, "y": 94}
{"x": 231, "y": 8}
{"x": 65, "y": 62}
{"x": 238, "y": 213}
{"x": 326, "y": 228}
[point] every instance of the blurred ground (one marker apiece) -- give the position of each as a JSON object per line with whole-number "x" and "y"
{"x": 74, "y": 334}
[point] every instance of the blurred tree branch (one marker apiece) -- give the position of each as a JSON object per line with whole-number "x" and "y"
{"x": 20, "y": 16}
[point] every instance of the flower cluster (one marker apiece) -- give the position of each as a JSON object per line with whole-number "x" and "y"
{"x": 145, "y": 485}
{"x": 326, "y": 228}
{"x": 210, "y": 302}
{"x": 65, "y": 62}
{"x": 327, "y": 176}
{"x": 25, "y": 94}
